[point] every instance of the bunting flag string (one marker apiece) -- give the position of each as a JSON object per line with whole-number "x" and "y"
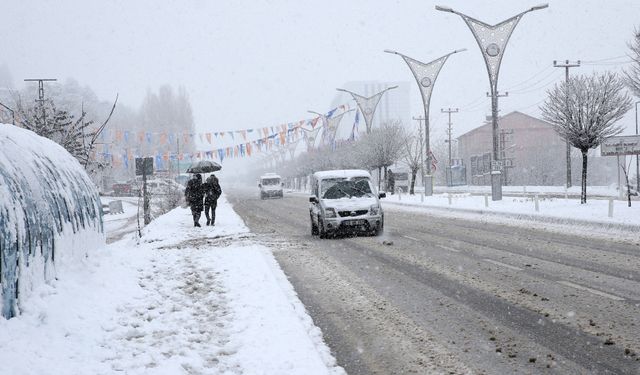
{"x": 280, "y": 138}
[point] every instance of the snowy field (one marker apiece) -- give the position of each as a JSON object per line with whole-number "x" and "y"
{"x": 574, "y": 191}
{"x": 595, "y": 210}
{"x": 554, "y": 214}
{"x": 181, "y": 300}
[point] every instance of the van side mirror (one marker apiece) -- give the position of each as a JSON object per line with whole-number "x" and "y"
{"x": 313, "y": 199}
{"x": 260, "y": 185}
{"x": 382, "y": 195}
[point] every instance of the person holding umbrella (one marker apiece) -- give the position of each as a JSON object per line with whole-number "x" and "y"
{"x": 212, "y": 192}
{"x": 194, "y": 195}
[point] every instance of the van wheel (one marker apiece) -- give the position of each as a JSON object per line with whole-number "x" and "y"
{"x": 379, "y": 229}
{"x": 321, "y": 232}
{"x": 314, "y": 227}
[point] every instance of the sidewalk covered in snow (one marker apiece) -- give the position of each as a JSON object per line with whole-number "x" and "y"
{"x": 179, "y": 300}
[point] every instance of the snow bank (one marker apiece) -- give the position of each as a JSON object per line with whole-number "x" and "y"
{"x": 50, "y": 214}
{"x": 180, "y": 300}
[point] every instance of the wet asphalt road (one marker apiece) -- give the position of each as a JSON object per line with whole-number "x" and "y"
{"x": 459, "y": 296}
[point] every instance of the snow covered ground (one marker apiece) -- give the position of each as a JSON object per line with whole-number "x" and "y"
{"x": 207, "y": 300}
{"x": 555, "y": 214}
{"x": 560, "y": 208}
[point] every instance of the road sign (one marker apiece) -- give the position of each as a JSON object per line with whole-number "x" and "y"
{"x": 621, "y": 145}
{"x": 145, "y": 164}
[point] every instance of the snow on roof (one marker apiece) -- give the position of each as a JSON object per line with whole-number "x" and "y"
{"x": 270, "y": 175}
{"x": 50, "y": 212}
{"x": 344, "y": 173}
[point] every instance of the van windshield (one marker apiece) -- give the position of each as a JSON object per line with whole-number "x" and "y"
{"x": 270, "y": 181}
{"x": 336, "y": 188}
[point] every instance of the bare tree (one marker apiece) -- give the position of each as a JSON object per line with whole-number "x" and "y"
{"x": 632, "y": 74}
{"x": 584, "y": 111}
{"x": 77, "y": 136}
{"x": 383, "y": 146}
{"x": 625, "y": 170}
{"x": 413, "y": 147}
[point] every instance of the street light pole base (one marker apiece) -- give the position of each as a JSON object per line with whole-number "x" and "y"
{"x": 496, "y": 186}
{"x": 428, "y": 185}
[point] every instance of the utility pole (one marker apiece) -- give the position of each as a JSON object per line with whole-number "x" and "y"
{"x": 637, "y": 156}
{"x": 178, "y": 155}
{"x": 40, "y": 99}
{"x": 567, "y": 64}
{"x": 420, "y": 119}
{"x": 499, "y": 161}
{"x": 449, "y": 112}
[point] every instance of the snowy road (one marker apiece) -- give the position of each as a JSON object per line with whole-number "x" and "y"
{"x": 459, "y": 296}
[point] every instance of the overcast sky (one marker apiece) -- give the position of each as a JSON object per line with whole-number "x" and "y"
{"x": 258, "y": 63}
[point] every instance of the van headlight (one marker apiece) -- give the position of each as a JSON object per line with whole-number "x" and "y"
{"x": 374, "y": 210}
{"x": 329, "y": 212}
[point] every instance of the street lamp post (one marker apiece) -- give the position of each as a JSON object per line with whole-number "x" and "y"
{"x": 368, "y": 105}
{"x": 426, "y": 75}
{"x": 330, "y": 124}
{"x": 492, "y": 40}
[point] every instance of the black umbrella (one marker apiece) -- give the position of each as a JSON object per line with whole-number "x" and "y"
{"x": 204, "y": 166}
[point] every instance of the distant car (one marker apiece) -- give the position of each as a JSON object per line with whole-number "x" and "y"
{"x": 401, "y": 179}
{"x": 270, "y": 186}
{"x": 122, "y": 189}
{"x": 164, "y": 187}
{"x": 344, "y": 201}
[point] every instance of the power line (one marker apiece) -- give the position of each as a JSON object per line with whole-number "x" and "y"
{"x": 517, "y": 85}
{"x": 538, "y": 88}
{"x": 605, "y": 59}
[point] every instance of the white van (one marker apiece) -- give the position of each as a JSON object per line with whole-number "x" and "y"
{"x": 270, "y": 186}
{"x": 344, "y": 201}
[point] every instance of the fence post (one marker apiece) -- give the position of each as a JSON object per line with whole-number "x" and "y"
{"x": 486, "y": 200}
{"x": 537, "y": 204}
{"x": 449, "y": 198}
{"x": 610, "y": 207}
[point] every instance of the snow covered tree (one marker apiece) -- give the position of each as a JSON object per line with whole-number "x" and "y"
{"x": 383, "y": 146}
{"x": 584, "y": 111}
{"x": 632, "y": 74}
{"x": 48, "y": 121}
{"x": 413, "y": 146}
{"x": 77, "y": 135}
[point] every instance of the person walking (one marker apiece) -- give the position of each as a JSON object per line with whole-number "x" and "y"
{"x": 194, "y": 194}
{"x": 391, "y": 181}
{"x": 212, "y": 192}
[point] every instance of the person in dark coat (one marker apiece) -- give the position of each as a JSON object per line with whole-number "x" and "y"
{"x": 194, "y": 194}
{"x": 212, "y": 192}
{"x": 391, "y": 181}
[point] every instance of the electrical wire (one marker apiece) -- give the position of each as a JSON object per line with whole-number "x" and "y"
{"x": 605, "y": 59}
{"x": 517, "y": 85}
{"x": 538, "y": 88}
